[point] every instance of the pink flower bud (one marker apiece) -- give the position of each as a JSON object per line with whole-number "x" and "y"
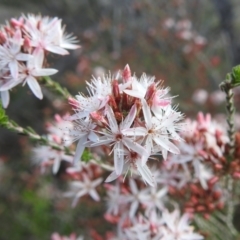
{"x": 16, "y": 23}
{"x": 2, "y": 38}
{"x": 126, "y": 74}
{"x": 99, "y": 119}
{"x": 73, "y": 102}
{"x": 236, "y": 175}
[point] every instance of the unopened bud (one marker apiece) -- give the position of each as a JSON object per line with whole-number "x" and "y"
{"x": 73, "y": 102}
{"x": 116, "y": 92}
{"x": 99, "y": 119}
{"x": 220, "y": 205}
{"x": 194, "y": 200}
{"x": 236, "y": 175}
{"x": 26, "y": 44}
{"x": 194, "y": 188}
{"x": 189, "y": 210}
{"x": 16, "y": 23}
{"x": 217, "y": 195}
{"x": 150, "y": 92}
{"x": 218, "y": 166}
{"x": 2, "y": 38}
{"x": 200, "y": 208}
{"x": 211, "y": 206}
{"x": 213, "y": 180}
{"x": 126, "y": 74}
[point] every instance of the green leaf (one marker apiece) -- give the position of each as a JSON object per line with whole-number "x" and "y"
{"x": 86, "y": 156}
{"x": 236, "y": 75}
{"x": 3, "y": 116}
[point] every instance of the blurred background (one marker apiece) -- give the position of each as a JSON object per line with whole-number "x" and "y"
{"x": 190, "y": 44}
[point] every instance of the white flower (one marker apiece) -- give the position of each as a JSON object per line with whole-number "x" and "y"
{"x": 43, "y": 33}
{"x": 99, "y": 90}
{"x": 46, "y": 156}
{"x": 116, "y": 137}
{"x": 10, "y": 54}
{"x": 81, "y": 188}
{"x": 82, "y": 131}
{"x": 28, "y": 74}
{"x": 177, "y": 228}
{"x": 133, "y": 162}
{"x": 114, "y": 199}
{"x": 139, "y": 88}
{"x": 135, "y": 197}
{"x": 157, "y": 130}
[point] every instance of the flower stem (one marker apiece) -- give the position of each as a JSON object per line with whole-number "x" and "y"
{"x": 54, "y": 87}
{"x": 227, "y": 88}
{"x": 28, "y": 131}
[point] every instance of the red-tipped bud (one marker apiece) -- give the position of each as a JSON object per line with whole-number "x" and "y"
{"x": 220, "y": 205}
{"x": 218, "y": 166}
{"x": 194, "y": 188}
{"x": 150, "y": 92}
{"x": 211, "y": 206}
{"x": 217, "y": 195}
{"x": 116, "y": 92}
{"x": 118, "y": 116}
{"x": 200, "y": 208}
{"x": 206, "y": 216}
{"x": 126, "y": 74}
{"x": 213, "y": 180}
{"x": 236, "y": 175}
{"x": 171, "y": 190}
{"x": 112, "y": 103}
{"x": 27, "y": 44}
{"x": 194, "y": 200}
{"x": 99, "y": 119}
{"x": 57, "y": 118}
{"x": 16, "y": 23}
{"x": 73, "y": 102}
{"x": 2, "y": 38}
{"x": 189, "y": 210}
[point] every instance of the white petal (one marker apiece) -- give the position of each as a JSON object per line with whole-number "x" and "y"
{"x": 10, "y": 84}
{"x": 70, "y": 46}
{"x": 130, "y": 118}
{"x": 57, "y": 50}
{"x": 13, "y": 67}
{"x": 146, "y": 174}
{"x": 118, "y": 158}
{"x": 137, "y": 131}
{"x": 133, "y": 186}
{"x": 79, "y": 150}
{"x": 133, "y": 209}
{"x": 56, "y": 165}
{"x": 134, "y": 93}
{"x": 147, "y": 114}
{"x": 134, "y": 146}
{"x": 44, "y": 72}
{"x": 5, "y": 98}
{"x": 38, "y": 55}
{"x": 34, "y": 86}
{"x": 112, "y": 177}
{"x": 23, "y": 57}
{"x": 165, "y": 143}
{"x": 93, "y": 193}
{"x": 93, "y": 137}
{"x": 111, "y": 119}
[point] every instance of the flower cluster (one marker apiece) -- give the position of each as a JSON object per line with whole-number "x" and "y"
{"x": 46, "y": 156}
{"x": 195, "y": 174}
{"x": 57, "y": 236}
{"x": 134, "y": 117}
{"x": 126, "y": 201}
{"x": 24, "y": 45}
